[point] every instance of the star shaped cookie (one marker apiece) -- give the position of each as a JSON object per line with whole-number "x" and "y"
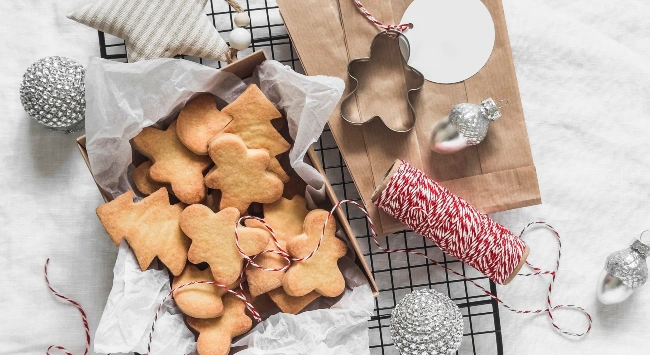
{"x": 319, "y": 273}
{"x": 156, "y": 28}
{"x": 241, "y": 173}
{"x": 252, "y": 114}
{"x": 151, "y": 227}
{"x": 213, "y": 240}
{"x": 173, "y": 163}
{"x": 216, "y": 334}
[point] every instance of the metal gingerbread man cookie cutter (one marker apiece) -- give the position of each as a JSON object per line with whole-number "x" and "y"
{"x": 389, "y": 54}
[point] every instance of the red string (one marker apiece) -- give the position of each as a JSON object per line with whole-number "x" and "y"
{"x": 74, "y": 303}
{"x": 400, "y": 28}
{"x": 460, "y": 230}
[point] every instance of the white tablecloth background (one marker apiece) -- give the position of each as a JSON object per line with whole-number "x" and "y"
{"x": 584, "y": 74}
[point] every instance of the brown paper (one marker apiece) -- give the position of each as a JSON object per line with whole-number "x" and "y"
{"x": 496, "y": 175}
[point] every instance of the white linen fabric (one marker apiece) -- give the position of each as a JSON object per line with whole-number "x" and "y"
{"x": 584, "y": 75}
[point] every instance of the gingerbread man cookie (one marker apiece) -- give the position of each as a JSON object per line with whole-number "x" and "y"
{"x": 240, "y": 173}
{"x": 213, "y": 240}
{"x": 151, "y": 227}
{"x": 216, "y": 334}
{"x": 319, "y": 273}
{"x": 252, "y": 114}
{"x": 199, "y": 300}
{"x": 173, "y": 163}
{"x": 199, "y": 121}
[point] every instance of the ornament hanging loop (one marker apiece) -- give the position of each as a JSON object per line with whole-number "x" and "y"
{"x": 502, "y": 103}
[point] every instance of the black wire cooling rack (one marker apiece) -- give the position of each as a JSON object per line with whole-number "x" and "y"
{"x": 396, "y": 274}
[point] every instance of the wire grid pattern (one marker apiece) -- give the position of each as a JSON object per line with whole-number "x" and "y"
{"x": 396, "y": 274}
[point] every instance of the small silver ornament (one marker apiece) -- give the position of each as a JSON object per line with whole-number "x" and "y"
{"x": 53, "y": 93}
{"x": 426, "y": 322}
{"x": 466, "y": 125}
{"x": 625, "y": 270}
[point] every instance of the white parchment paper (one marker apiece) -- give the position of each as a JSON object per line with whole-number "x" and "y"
{"x": 131, "y": 306}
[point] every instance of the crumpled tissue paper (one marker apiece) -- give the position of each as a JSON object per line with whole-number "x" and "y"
{"x": 129, "y": 312}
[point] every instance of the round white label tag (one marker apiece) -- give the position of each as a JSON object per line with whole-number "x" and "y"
{"x": 451, "y": 40}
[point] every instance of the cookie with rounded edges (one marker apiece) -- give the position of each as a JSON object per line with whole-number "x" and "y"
{"x": 173, "y": 163}
{"x": 213, "y": 240}
{"x": 319, "y": 273}
{"x": 262, "y": 281}
{"x": 151, "y": 227}
{"x": 252, "y": 114}
{"x": 241, "y": 174}
{"x": 143, "y": 181}
{"x": 199, "y": 300}
{"x": 290, "y": 304}
{"x": 286, "y": 217}
{"x": 199, "y": 121}
{"x": 216, "y": 334}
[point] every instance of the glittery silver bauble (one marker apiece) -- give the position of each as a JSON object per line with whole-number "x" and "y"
{"x": 625, "y": 270}
{"x": 426, "y": 322}
{"x": 53, "y": 93}
{"x": 466, "y": 125}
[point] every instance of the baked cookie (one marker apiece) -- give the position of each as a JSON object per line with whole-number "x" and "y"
{"x": 286, "y": 217}
{"x": 150, "y": 226}
{"x": 173, "y": 163}
{"x": 262, "y": 281}
{"x": 319, "y": 273}
{"x": 199, "y": 121}
{"x": 215, "y": 335}
{"x": 213, "y": 240}
{"x": 240, "y": 173}
{"x": 252, "y": 114}
{"x": 143, "y": 182}
{"x": 199, "y": 300}
{"x": 290, "y": 304}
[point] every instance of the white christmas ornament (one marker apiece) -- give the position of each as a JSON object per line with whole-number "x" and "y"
{"x": 242, "y": 20}
{"x": 240, "y": 39}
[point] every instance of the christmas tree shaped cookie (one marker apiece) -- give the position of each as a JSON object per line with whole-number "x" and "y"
{"x": 215, "y": 335}
{"x": 213, "y": 240}
{"x": 151, "y": 227}
{"x": 241, "y": 174}
{"x": 319, "y": 273}
{"x": 252, "y": 114}
{"x": 173, "y": 163}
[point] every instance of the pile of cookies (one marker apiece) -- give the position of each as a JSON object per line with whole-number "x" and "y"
{"x": 221, "y": 165}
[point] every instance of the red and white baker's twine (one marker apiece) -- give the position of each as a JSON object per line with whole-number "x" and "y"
{"x": 400, "y": 28}
{"x": 461, "y": 231}
{"x": 74, "y": 303}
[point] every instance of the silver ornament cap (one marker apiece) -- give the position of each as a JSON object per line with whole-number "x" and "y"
{"x": 625, "y": 270}
{"x": 53, "y": 93}
{"x": 465, "y": 126}
{"x": 426, "y": 322}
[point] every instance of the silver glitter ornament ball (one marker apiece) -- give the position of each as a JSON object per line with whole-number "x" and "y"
{"x": 53, "y": 93}
{"x": 426, "y": 322}
{"x": 625, "y": 270}
{"x": 466, "y": 125}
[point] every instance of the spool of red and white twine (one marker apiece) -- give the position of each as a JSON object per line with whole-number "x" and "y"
{"x": 431, "y": 210}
